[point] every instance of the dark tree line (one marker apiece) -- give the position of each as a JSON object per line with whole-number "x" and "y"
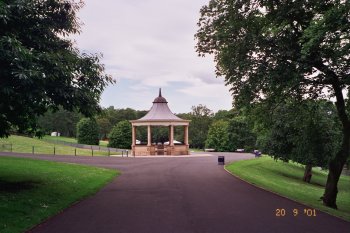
{"x": 65, "y": 122}
{"x": 61, "y": 121}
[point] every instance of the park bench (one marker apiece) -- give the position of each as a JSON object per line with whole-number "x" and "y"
{"x": 209, "y": 150}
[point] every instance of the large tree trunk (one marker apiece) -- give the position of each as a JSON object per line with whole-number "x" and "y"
{"x": 335, "y": 168}
{"x": 336, "y": 164}
{"x": 308, "y": 173}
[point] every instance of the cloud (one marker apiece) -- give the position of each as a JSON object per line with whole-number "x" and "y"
{"x": 149, "y": 44}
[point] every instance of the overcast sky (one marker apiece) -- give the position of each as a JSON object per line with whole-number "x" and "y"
{"x": 147, "y": 45}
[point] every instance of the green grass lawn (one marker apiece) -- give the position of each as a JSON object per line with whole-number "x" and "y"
{"x": 286, "y": 179}
{"x": 103, "y": 143}
{"x": 25, "y": 145}
{"x": 71, "y": 140}
{"x": 33, "y": 190}
{"x": 60, "y": 138}
{"x": 196, "y": 150}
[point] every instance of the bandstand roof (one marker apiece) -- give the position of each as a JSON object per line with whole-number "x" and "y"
{"x": 160, "y": 113}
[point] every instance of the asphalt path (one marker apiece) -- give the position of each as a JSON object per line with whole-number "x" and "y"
{"x": 180, "y": 195}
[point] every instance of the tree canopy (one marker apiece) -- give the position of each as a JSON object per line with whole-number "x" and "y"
{"x": 88, "y": 132}
{"x": 218, "y": 136}
{"x": 241, "y": 135}
{"x": 120, "y": 136}
{"x": 41, "y": 68}
{"x": 201, "y": 118}
{"x": 61, "y": 121}
{"x": 267, "y": 49}
{"x": 307, "y": 133}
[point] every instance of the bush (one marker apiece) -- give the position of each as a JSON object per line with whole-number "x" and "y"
{"x": 120, "y": 136}
{"x": 87, "y": 132}
{"x": 241, "y": 136}
{"x": 218, "y": 137}
{"x": 230, "y": 135}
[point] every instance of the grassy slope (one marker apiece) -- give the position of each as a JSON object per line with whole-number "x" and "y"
{"x": 285, "y": 179}
{"x": 103, "y": 143}
{"x": 71, "y": 140}
{"x": 64, "y": 139}
{"x": 196, "y": 150}
{"x": 33, "y": 190}
{"x": 25, "y": 144}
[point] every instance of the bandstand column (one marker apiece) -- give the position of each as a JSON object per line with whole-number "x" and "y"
{"x": 149, "y": 136}
{"x": 133, "y": 135}
{"x": 171, "y": 135}
{"x": 186, "y": 135}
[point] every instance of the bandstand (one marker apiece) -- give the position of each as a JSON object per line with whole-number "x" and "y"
{"x": 160, "y": 115}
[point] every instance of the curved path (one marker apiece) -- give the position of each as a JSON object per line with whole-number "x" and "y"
{"x": 181, "y": 195}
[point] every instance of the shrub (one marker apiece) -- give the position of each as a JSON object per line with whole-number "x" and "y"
{"x": 241, "y": 136}
{"x": 120, "y": 136}
{"x": 218, "y": 137}
{"x": 87, "y": 132}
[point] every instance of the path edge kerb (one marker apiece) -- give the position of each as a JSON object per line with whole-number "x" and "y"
{"x": 280, "y": 195}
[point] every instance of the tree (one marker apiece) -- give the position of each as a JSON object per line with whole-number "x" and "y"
{"x": 61, "y": 121}
{"x": 267, "y": 49}
{"x": 160, "y": 134}
{"x": 124, "y": 114}
{"x": 40, "y": 67}
{"x": 201, "y": 118}
{"x": 305, "y": 132}
{"x": 179, "y": 134}
{"x": 87, "y": 132}
{"x": 140, "y": 113}
{"x": 201, "y": 110}
{"x": 104, "y": 127}
{"x": 111, "y": 116}
{"x": 116, "y": 115}
{"x": 218, "y": 138}
{"x": 120, "y": 136}
{"x": 179, "y": 131}
{"x": 142, "y": 134}
{"x": 240, "y": 134}
{"x": 225, "y": 115}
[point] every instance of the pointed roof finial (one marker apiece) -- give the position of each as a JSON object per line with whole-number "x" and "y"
{"x": 160, "y": 98}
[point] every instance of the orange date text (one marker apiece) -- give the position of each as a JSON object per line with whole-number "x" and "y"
{"x": 281, "y": 212}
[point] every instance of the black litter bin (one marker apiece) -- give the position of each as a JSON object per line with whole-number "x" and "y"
{"x": 221, "y": 160}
